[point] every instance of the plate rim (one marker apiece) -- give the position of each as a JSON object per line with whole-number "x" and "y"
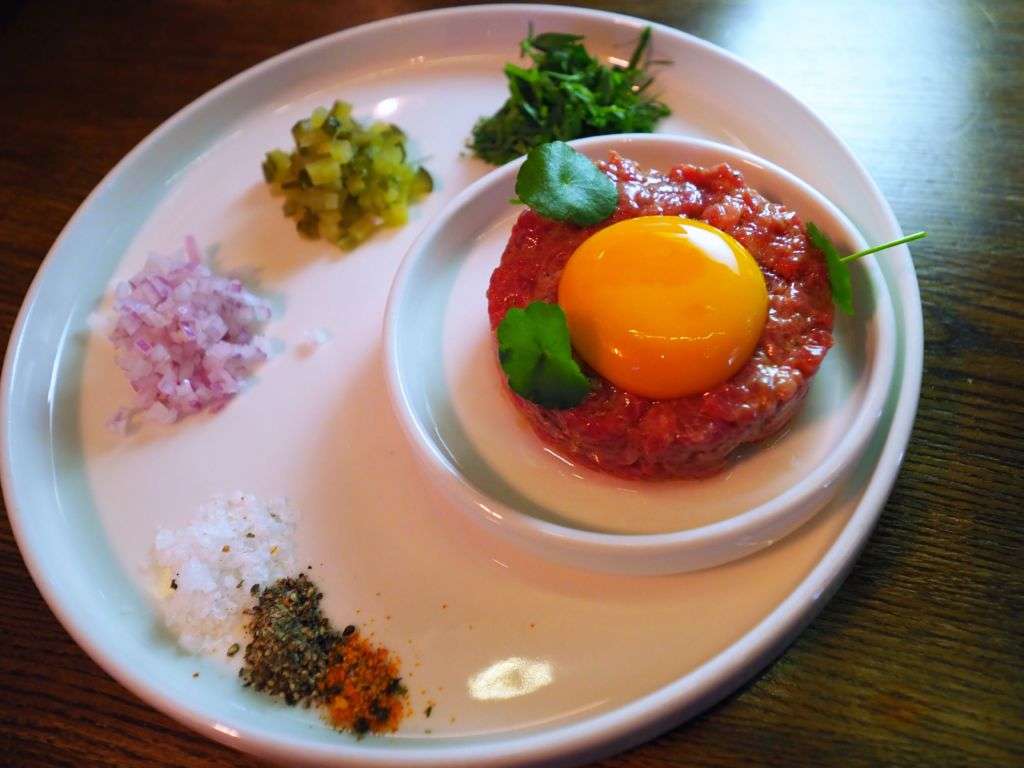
{"x": 604, "y": 733}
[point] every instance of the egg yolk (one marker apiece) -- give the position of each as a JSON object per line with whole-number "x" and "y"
{"x": 663, "y": 306}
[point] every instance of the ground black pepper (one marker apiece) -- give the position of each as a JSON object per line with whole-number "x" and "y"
{"x": 296, "y": 654}
{"x": 291, "y": 641}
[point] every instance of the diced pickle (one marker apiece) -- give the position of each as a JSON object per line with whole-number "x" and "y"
{"x": 341, "y": 151}
{"x": 323, "y": 171}
{"x": 308, "y": 224}
{"x": 305, "y": 134}
{"x": 331, "y": 125}
{"x": 276, "y": 166}
{"x": 395, "y": 215}
{"x": 341, "y": 110}
{"x": 344, "y": 180}
{"x": 268, "y": 172}
{"x": 329, "y": 228}
{"x": 320, "y": 200}
{"x": 422, "y": 183}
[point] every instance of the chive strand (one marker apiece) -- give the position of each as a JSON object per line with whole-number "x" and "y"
{"x": 883, "y": 246}
{"x": 645, "y": 38}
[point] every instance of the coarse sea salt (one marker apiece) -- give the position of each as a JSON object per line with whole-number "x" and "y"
{"x": 207, "y": 569}
{"x": 187, "y": 339}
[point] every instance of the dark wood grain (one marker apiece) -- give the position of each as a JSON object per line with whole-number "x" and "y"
{"x": 918, "y": 659}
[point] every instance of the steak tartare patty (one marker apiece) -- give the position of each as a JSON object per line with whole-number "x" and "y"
{"x": 635, "y": 437}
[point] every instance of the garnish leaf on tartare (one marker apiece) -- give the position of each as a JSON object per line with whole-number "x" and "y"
{"x": 561, "y": 184}
{"x": 838, "y": 273}
{"x": 535, "y": 353}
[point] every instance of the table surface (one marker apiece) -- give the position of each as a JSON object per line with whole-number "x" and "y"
{"x": 918, "y": 658}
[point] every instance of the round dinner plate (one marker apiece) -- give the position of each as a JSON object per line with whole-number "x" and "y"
{"x": 523, "y": 660}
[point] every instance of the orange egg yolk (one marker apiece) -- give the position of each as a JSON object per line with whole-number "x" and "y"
{"x": 663, "y": 306}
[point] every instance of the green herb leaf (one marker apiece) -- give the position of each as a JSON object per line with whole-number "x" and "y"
{"x": 565, "y": 95}
{"x": 641, "y": 46}
{"x": 560, "y": 183}
{"x": 535, "y": 353}
{"x": 550, "y": 41}
{"x": 838, "y": 272}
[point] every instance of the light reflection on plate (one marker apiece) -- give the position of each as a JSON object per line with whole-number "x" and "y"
{"x": 509, "y": 678}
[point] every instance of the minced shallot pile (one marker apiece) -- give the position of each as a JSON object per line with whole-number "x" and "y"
{"x": 187, "y": 339}
{"x": 211, "y": 569}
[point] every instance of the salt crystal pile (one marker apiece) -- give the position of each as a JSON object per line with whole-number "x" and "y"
{"x": 210, "y": 567}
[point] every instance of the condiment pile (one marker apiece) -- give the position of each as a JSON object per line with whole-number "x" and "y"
{"x": 207, "y": 569}
{"x": 362, "y": 689}
{"x": 295, "y": 653}
{"x": 186, "y": 338}
{"x": 225, "y": 581}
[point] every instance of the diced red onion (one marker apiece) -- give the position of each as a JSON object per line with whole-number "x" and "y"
{"x": 186, "y": 338}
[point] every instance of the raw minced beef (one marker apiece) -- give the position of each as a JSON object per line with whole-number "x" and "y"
{"x": 636, "y": 437}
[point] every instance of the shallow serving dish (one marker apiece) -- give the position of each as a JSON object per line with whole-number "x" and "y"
{"x": 447, "y": 393}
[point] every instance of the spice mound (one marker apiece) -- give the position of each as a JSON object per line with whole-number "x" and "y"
{"x": 291, "y": 641}
{"x": 295, "y": 653}
{"x": 362, "y": 689}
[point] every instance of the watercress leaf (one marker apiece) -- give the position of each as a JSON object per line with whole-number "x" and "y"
{"x": 560, "y": 183}
{"x": 558, "y": 382}
{"x": 518, "y": 350}
{"x": 536, "y": 355}
{"x": 838, "y": 273}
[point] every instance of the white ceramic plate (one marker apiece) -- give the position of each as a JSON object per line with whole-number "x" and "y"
{"x": 449, "y": 398}
{"x": 525, "y": 661}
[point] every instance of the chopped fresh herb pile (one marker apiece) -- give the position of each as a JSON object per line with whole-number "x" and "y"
{"x": 838, "y": 273}
{"x": 560, "y": 183}
{"x": 565, "y": 95}
{"x": 344, "y": 180}
{"x": 535, "y": 353}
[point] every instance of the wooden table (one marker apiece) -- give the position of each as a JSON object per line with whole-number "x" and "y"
{"x": 918, "y": 659}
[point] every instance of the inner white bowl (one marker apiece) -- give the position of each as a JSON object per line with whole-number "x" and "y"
{"x": 447, "y": 392}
